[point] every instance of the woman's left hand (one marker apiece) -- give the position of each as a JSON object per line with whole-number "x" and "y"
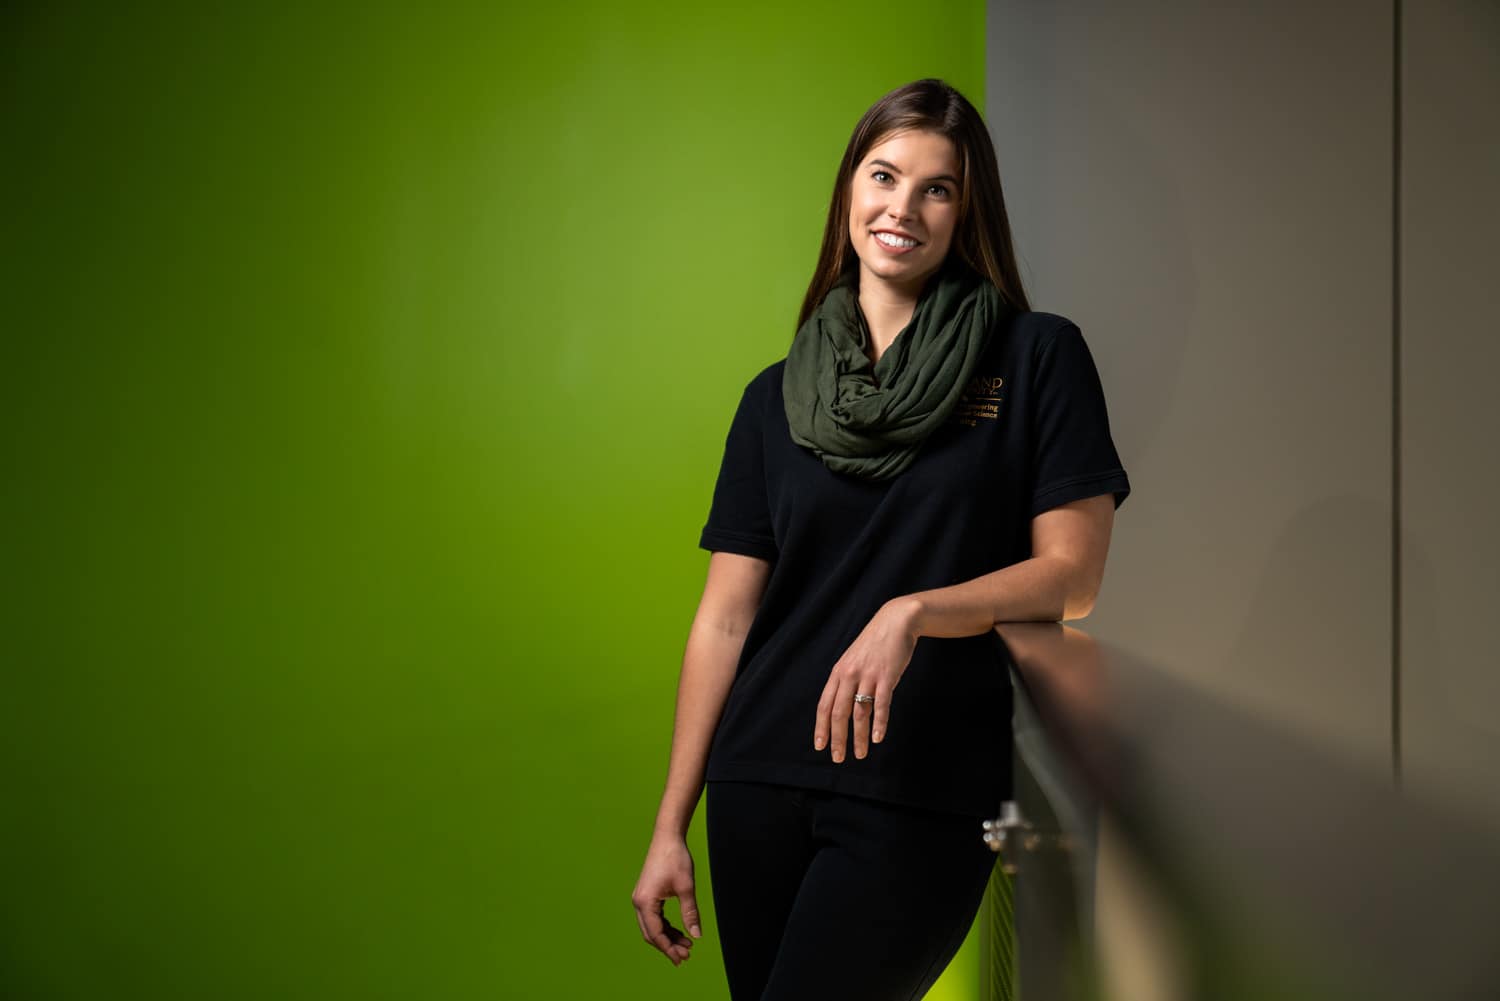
{"x": 872, "y": 665}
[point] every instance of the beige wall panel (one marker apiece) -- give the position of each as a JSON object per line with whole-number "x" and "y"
{"x": 1450, "y": 322}
{"x": 1207, "y": 192}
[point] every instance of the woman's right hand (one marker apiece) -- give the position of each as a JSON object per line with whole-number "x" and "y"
{"x": 668, "y": 872}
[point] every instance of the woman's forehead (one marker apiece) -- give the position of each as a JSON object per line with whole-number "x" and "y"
{"x": 916, "y": 151}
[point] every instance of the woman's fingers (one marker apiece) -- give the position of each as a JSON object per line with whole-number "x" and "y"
{"x": 821, "y": 719}
{"x": 870, "y": 720}
{"x": 869, "y": 668}
{"x": 679, "y": 946}
{"x": 860, "y": 716}
{"x": 667, "y": 874}
{"x": 689, "y": 905}
{"x": 658, "y": 931}
{"x": 653, "y": 928}
{"x": 838, "y": 719}
{"x": 837, "y": 710}
{"x": 882, "y": 713}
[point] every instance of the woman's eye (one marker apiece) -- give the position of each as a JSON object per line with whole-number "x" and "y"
{"x": 881, "y": 175}
{"x": 939, "y": 190}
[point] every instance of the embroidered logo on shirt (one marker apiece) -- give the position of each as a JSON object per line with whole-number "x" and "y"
{"x": 980, "y": 398}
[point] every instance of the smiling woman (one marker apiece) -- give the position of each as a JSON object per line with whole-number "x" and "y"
{"x": 931, "y": 457}
{"x": 902, "y": 213}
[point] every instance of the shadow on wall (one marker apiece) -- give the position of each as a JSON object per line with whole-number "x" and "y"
{"x": 1289, "y": 661}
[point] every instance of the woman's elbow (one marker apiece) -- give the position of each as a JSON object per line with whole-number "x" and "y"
{"x": 1082, "y": 593}
{"x": 1077, "y": 608}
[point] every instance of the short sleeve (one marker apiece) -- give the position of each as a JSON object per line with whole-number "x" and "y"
{"x": 739, "y": 520}
{"x": 1074, "y": 454}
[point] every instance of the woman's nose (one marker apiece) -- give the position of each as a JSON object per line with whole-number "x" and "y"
{"x": 900, "y": 207}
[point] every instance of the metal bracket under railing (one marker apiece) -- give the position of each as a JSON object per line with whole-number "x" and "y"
{"x": 1012, "y": 830}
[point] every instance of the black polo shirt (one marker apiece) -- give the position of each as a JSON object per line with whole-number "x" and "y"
{"x": 1031, "y": 433}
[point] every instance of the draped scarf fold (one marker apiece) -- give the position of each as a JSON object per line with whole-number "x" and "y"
{"x": 870, "y": 420}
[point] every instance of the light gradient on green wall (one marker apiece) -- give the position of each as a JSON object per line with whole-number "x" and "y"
{"x": 365, "y": 376}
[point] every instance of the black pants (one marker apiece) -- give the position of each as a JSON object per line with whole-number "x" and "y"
{"x": 820, "y": 895}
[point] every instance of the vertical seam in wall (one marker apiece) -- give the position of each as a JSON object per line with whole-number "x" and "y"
{"x": 1396, "y": 396}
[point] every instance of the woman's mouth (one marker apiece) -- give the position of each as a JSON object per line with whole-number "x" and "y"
{"x": 895, "y": 244}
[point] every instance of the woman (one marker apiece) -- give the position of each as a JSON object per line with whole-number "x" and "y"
{"x": 930, "y": 458}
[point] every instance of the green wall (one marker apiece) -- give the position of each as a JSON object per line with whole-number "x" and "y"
{"x": 365, "y": 375}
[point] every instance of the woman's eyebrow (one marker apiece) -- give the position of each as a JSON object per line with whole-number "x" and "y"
{"x": 895, "y": 169}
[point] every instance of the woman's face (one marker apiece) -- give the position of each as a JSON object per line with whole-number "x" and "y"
{"x": 903, "y": 209}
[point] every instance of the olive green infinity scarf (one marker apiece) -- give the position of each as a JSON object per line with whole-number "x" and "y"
{"x": 870, "y": 420}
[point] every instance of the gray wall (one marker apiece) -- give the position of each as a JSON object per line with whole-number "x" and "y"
{"x": 1450, "y": 360}
{"x": 1211, "y": 195}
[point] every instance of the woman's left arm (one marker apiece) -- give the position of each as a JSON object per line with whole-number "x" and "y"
{"x": 1059, "y": 581}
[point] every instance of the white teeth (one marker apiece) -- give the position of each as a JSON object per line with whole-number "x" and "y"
{"x": 892, "y": 240}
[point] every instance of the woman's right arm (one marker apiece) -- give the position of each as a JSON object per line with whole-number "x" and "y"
{"x": 731, "y": 596}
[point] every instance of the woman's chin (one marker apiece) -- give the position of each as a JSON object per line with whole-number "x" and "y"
{"x": 898, "y": 274}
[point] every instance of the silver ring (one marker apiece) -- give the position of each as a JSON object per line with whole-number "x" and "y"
{"x": 864, "y": 698}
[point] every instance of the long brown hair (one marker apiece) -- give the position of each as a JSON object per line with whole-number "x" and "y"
{"x": 982, "y": 238}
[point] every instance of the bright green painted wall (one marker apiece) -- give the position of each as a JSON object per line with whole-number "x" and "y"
{"x": 364, "y": 379}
